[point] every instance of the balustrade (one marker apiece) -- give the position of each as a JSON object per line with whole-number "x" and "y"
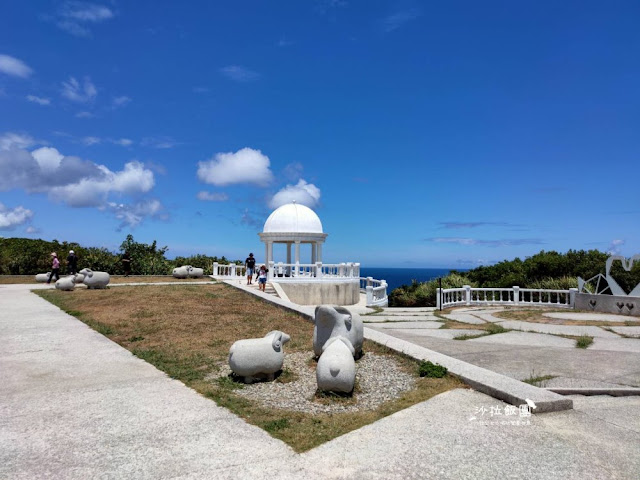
{"x": 468, "y": 295}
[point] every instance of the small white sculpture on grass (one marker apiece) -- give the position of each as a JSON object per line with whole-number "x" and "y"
{"x": 79, "y": 278}
{"x": 42, "y": 277}
{"x": 181, "y": 272}
{"x": 336, "y": 370}
{"x": 258, "y": 358}
{"x": 332, "y": 321}
{"x": 195, "y": 272}
{"x": 66, "y": 283}
{"x": 95, "y": 279}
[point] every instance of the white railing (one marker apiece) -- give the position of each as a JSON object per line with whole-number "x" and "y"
{"x": 318, "y": 271}
{"x": 376, "y": 291}
{"x": 231, "y": 270}
{"x": 468, "y": 295}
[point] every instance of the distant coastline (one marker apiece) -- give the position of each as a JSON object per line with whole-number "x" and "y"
{"x": 396, "y": 277}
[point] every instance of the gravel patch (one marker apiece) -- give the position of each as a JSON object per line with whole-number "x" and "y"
{"x": 379, "y": 379}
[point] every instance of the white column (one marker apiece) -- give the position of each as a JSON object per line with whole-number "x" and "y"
{"x": 288, "y": 252}
{"x": 269, "y": 252}
{"x": 296, "y": 270}
{"x": 266, "y": 252}
{"x": 314, "y": 250}
{"x": 319, "y": 253}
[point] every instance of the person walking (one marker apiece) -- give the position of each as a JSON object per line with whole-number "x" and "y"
{"x": 72, "y": 263}
{"x": 250, "y": 264}
{"x": 55, "y": 267}
{"x": 262, "y": 277}
{"x": 126, "y": 264}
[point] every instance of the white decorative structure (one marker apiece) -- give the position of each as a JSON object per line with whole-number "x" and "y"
{"x": 336, "y": 370}
{"x": 78, "y": 278}
{"x": 468, "y": 295}
{"x": 181, "y": 272}
{"x": 66, "y": 283}
{"x": 257, "y": 358}
{"x": 332, "y": 321}
{"x": 95, "y": 279}
{"x": 42, "y": 277}
{"x": 195, "y": 272}
{"x": 311, "y": 283}
{"x": 293, "y": 224}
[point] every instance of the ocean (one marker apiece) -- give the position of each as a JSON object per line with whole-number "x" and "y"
{"x": 396, "y": 277}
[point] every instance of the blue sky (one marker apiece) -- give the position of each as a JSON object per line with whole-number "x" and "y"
{"x": 435, "y": 134}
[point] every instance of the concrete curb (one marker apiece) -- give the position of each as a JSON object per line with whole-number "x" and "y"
{"x": 613, "y": 392}
{"x": 491, "y": 383}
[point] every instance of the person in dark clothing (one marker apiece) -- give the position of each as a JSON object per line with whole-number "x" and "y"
{"x": 250, "y": 263}
{"x": 55, "y": 268}
{"x": 72, "y": 263}
{"x": 126, "y": 264}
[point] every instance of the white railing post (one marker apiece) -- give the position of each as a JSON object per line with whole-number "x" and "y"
{"x": 271, "y": 268}
{"x": 215, "y": 268}
{"x": 572, "y": 297}
{"x": 467, "y": 294}
{"x": 438, "y": 298}
{"x": 232, "y": 270}
{"x": 369, "y": 281}
{"x": 516, "y": 295}
{"x": 357, "y": 272}
{"x": 318, "y": 269}
{"x": 296, "y": 270}
{"x": 369, "y": 295}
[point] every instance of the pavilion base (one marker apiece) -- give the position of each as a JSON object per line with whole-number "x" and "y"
{"x": 343, "y": 292}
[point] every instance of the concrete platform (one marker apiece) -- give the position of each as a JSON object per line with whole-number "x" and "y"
{"x": 576, "y": 330}
{"x": 528, "y": 339}
{"x": 590, "y": 317}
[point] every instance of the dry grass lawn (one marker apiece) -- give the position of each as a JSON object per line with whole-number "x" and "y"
{"x": 14, "y": 279}
{"x": 187, "y": 331}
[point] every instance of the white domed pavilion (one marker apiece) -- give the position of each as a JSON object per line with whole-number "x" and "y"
{"x": 293, "y": 224}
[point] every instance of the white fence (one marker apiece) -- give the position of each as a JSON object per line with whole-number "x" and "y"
{"x": 375, "y": 290}
{"x": 468, "y": 295}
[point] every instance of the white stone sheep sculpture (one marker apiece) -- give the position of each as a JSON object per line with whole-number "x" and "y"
{"x": 195, "y": 272}
{"x": 42, "y": 277}
{"x": 332, "y": 321}
{"x": 95, "y": 279}
{"x": 66, "y": 283}
{"x": 181, "y": 272}
{"x": 258, "y": 358}
{"x": 79, "y": 278}
{"x": 336, "y": 370}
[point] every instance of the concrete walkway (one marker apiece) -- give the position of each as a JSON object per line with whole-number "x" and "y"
{"x": 73, "y": 404}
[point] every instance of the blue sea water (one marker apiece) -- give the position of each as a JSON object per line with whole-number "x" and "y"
{"x": 396, "y": 277}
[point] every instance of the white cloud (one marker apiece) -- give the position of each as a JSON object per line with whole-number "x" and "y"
{"x": 158, "y": 142}
{"x": 94, "y": 191}
{"x": 212, "y": 196}
{"x": 77, "y": 92}
{"x": 397, "y": 20}
{"x": 74, "y": 17}
{"x": 244, "y": 166}
{"x": 39, "y": 100}
{"x": 123, "y": 142}
{"x": 14, "y": 67}
{"x": 508, "y": 242}
{"x": 239, "y": 73}
{"x": 84, "y": 115}
{"x": 88, "y": 141}
{"x": 48, "y": 158}
{"x": 615, "y": 247}
{"x": 11, "y": 141}
{"x": 121, "y": 101}
{"x": 31, "y": 230}
{"x": 305, "y": 193}
{"x": 12, "y": 217}
{"x": 132, "y": 215}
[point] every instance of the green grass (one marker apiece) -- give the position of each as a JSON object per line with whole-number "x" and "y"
{"x": 584, "y": 341}
{"x": 431, "y": 370}
{"x": 538, "y": 381}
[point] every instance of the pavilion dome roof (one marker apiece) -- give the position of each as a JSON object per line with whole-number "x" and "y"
{"x": 293, "y": 218}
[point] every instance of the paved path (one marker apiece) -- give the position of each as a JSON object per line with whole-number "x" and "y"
{"x": 73, "y": 404}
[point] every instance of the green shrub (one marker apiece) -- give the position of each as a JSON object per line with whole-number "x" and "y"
{"x": 431, "y": 370}
{"x": 424, "y": 294}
